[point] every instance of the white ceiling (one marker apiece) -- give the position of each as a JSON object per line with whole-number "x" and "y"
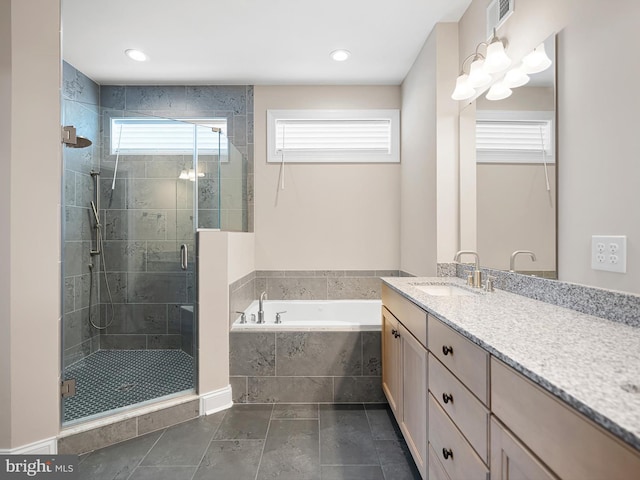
{"x": 250, "y": 41}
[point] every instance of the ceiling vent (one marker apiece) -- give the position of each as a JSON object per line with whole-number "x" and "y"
{"x": 497, "y": 13}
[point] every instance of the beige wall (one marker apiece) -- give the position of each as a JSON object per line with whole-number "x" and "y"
{"x": 447, "y": 69}
{"x": 32, "y": 302}
{"x": 329, "y": 216}
{"x": 213, "y": 305}
{"x": 597, "y": 122}
{"x": 224, "y": 257}
{"x": 5, "y": 216}
{"x": 599, "y": 164}
{"x": 429, "y": 179}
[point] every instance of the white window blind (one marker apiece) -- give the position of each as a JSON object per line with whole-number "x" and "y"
{"x": 514, "y": 140}
{"x": 333, "y": 136}
{"x": 151, "y": 136}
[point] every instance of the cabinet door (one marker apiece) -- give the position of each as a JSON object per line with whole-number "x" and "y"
{"x": 414, "y": 397}
{"x": 391, "y": 374}
{"x": 510, "y": 460}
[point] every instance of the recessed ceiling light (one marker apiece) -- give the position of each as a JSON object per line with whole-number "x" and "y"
{"x": 136, "y": 55}
{"x": 340, "y": 55}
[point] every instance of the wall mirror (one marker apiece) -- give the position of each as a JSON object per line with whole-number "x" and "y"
{"x": 508, "y": 187}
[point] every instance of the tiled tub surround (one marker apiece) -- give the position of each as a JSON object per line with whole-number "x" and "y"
{"x": 306, "y": 285}
{"x": 616, "y": 306}
{"x": 299, "y": 367}
{"x": 591, "y": 363}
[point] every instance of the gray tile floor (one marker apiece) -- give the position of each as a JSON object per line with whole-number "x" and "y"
{"x": 259, "y": 442}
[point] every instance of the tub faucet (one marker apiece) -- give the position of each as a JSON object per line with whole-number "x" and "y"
{"x": 512, "y": 262}
{"x": 263, "y": 297}
{"x": 477, "y": 274}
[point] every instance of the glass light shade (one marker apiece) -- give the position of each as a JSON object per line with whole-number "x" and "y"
{"x": 499, "y": 91}
{"x": 536, "y": 61}
{"x": 496, "y": 59}
{"x": 516, "y": 78}
{"x": 463, "y": 90}
{"x": 478, "y": 78}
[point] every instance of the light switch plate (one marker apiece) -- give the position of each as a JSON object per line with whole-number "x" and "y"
{"x": 609, "y": 253}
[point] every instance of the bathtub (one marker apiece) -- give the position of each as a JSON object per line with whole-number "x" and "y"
{"x": 314, "y": 315}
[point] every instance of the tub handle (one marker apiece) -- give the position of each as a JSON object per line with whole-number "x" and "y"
{"x": 253, "y": 318}
{"x": 278, "y": 319}
{"x": 243, "y": 317}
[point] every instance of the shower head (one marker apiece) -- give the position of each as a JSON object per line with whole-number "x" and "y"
{"x": 81, "y": 142}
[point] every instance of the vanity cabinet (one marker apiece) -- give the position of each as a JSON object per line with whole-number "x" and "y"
{"x": 569, "y": 444}
{"x": 391, "y": 371}
{"x": 467, "y": 415}
{"x": 404, "y": 372}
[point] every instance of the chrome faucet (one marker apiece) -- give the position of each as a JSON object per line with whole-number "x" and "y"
{"x": 477, "y": 274}
{"x": 512, "y": 262}
{"x": 263, "y": 297}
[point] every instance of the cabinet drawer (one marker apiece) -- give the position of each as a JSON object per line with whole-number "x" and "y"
{"x": 571, "y": 445}
{"x": 445, "y": 437}
{"x": 436, "y": 470}
{"x": 466, "y": 411}
{"x": 411, "y": 316}
{"x": 465, "y": 360}
{"x": 510, "y": 459}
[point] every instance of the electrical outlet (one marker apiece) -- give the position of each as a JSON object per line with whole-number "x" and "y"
{"x": 609, "y": 253}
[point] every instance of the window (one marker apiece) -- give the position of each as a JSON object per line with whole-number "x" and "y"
{"x": 515, "y": 137}
{"x": 333, "y": 136}
{"x": 156, "y": 136}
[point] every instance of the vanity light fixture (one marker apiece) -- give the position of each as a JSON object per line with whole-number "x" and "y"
{"x": 481, "y": 69}
{"x": 137, "y": 55}
{"x": 463, "y": 90}
{"x": 478, "y": 77}
{"x": 536, "y": 61}
{"x": 340, "y": 55}
{"x": 516, "y": 78}
{"x": 499, "y": 91}
{"x": 496, "y": 60}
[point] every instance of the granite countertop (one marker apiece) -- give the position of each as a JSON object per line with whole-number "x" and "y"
{"x": 591, "y": 363}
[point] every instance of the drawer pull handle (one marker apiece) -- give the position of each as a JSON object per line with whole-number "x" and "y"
{"x": 447, "y": 350}
{"x": 394, "y": 332}
{"x": 447, "y": 453}
{"x": 447, "y": 397}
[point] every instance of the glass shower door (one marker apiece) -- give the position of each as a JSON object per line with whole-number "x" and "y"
{"x": 131, "y": 235}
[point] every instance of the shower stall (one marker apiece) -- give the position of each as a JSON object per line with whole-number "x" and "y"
{"x": 136, "y": 188}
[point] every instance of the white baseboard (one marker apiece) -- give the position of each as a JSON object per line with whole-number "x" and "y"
{"x": 216, "y": 401}
{"x": 41, "y": 447}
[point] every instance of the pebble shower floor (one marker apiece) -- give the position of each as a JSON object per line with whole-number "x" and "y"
{"x": 110, "y": 379}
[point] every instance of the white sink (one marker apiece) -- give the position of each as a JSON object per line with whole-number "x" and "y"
{"x": 444, "y": 290}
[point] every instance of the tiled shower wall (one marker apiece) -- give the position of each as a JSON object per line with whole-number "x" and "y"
{"x": 233, "y": 102}
{"x": 80, "y": 98}
{"x": 147, "y": 215}
{"x": 150, "y": 212}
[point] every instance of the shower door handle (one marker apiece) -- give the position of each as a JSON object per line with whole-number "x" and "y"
{"x": 184, "y": 262}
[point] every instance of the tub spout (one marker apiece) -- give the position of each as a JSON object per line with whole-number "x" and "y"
{"x": 263, "y": 297}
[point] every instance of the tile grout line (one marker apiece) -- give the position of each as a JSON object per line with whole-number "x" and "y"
{"x": 145, "y": 455}
{"x": 265, "y": 442}
{"x": 209, "y": 444}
